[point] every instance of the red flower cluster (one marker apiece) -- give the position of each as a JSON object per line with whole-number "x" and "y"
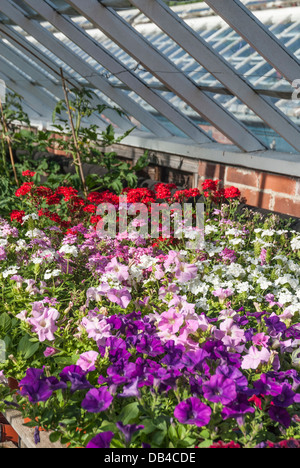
{"x": 67, "y": 192}
{"x": 103, "y": 197}
{"x": 77, "y": 210}
{"x": 166, "y": 241}
{"x": 222, "y": 445}
{"x": 211, "y": 189}
{"x": 28, "y": 174}
{"x": 232, "y": 192}
{"x": 182, "y": 195}
{"x": 290, "y": 443}
{"x": 17, "y": 216}
{"x": 24, "y": 189}
{"x": 139, "y": 195}
{"x": 210, "y": 184}
{"x": 54, "y": 217}
{"x": 163, "y": 191}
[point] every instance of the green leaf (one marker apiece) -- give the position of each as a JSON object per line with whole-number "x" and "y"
{"x": 206, "y": 443}
{"x": 27, "y": 348}
{"x": 172, "y": 433}
{"x": 54, "y": 436}
{"x": 5, "y": 323}
{"x": 129, "y": 413}
{"x": 32, "y": 349}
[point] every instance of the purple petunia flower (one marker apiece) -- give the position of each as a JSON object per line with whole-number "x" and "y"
{"x": 76, "y": 376}
{"x": 37, "y": 391}
{"x": 37, "y": 438}
{"x": 150, "y": 346}
{"x": 55, "y": 384}
{"x": 194, "y": 360}
{"x": 97, "y": 400}
{"x": 173, "y": 354}
{"x": 193, "y": 411}
{"x": 101, "y": 440}
{"x": 234, "y": 374}
{"x": 275, "y": 325}
{"x": 237, "y": 409}
{"x": 128, "y": 430}
{"x": 34, "y": 386}
{"x": 131, "y": 390}
{"x": 285, "y": 398}
{"x": 280, "y": 415}
{"x": 219, "y": 389}
{"x": 267, "y": 386}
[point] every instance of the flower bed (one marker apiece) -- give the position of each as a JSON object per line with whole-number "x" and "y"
{"x": 140, "y": 342}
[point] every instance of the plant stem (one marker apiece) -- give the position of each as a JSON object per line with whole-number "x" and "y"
{"x": 9, "y": 143}
{"x": 77, "y": 159}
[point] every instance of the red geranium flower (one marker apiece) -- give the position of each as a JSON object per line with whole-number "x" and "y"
{"x": 232, "y": 192}
{"x": 210, "y": 184}
{"x": 90, "y": 209}
{"x": 163, "y": 191}
{"x": 28, "y": 174}
{"x": 17, "y": 216}
{"x": 24, "y": 189}
{"x": 222, "y": 444}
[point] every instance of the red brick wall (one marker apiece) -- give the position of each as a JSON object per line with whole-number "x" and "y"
{"x": 262, "y": 189}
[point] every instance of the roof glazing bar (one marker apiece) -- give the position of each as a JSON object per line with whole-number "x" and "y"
{"x": 108, "y": 61}
{"x": 204, "y": 54}
{"x": 258, "y": 36}
{"x": 165, "y": 71}
{"x": 50, "y": 42}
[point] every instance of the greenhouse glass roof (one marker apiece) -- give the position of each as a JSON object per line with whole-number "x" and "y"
{"x": 216, "y": 73}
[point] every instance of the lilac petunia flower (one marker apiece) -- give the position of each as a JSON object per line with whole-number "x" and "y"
{"x": 118, "y": 269}
{"x": 254, "y": 357}
{"x": 185, "y": 271}
{"x": 122, "y": 297}
{"x": 45, "y": 324}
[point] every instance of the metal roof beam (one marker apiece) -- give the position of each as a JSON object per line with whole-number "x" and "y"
{"x": 143, "y": 52}
{"x": 39, "y": 95}
{"x": 204, "y": 54}
{"x": 287, "y": 95}
{"x": 247, "y": 25}
{"x": 26, "y": 90}
{"x": 39, "y": 78}
{"x": 129, "y": 78}
{"x": 33, "y": 53}
{"x": 59, "y": 49}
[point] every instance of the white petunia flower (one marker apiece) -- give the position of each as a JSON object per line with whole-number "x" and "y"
{"x": 69, "y": 249}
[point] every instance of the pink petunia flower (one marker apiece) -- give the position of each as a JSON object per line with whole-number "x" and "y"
{"x": 254, "y": 357}
{"x": 87, "y": 361}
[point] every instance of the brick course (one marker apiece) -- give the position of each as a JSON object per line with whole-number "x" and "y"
{"x": 279, "y": 193}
